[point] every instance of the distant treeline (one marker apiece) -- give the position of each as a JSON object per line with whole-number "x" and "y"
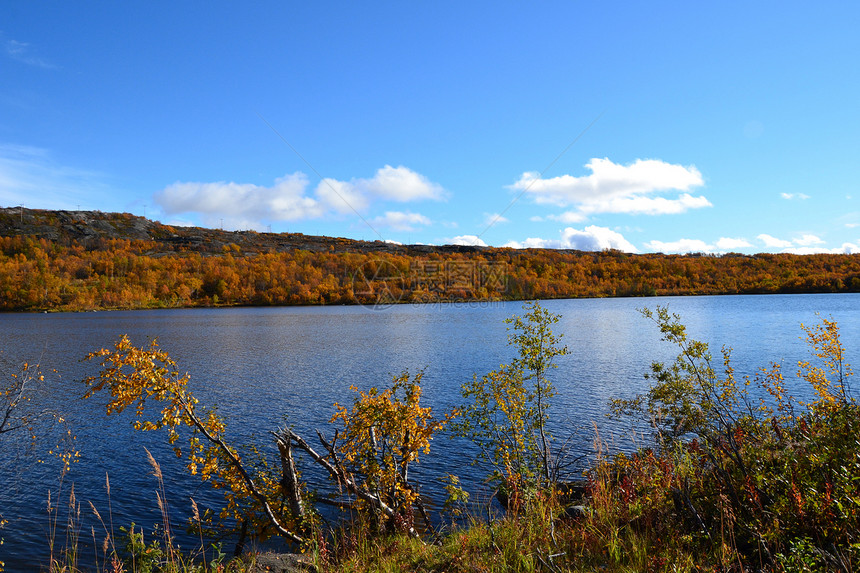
{"x": 40, "y": 274}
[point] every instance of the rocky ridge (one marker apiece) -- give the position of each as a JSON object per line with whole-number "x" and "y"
{"x": 91, "y": 226}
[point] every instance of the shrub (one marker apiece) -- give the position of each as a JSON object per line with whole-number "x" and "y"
{"x": 506, "y": 411}
{"x": 743, "y": 468}
{"x": 368, "y": 457}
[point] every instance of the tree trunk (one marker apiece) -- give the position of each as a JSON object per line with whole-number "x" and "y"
{"x": 290, "y": 481}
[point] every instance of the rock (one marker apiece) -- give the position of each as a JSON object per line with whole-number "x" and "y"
{"x": 576, "y": 511}
{"x": 572, "y": 491}
{"x": 281, "y": 563}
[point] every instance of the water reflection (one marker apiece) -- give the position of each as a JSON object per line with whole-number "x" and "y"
{"x": 268, "y": 366}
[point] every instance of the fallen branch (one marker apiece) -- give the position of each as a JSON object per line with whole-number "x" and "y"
{"x": 341, "y": 475}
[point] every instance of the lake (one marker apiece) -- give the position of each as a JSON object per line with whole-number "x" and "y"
{"x": 265, "y": 367}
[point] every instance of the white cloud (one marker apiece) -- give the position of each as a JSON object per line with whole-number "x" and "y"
{"x": 806, "y": 244}
{"x": 242, "y": 204}
{"x": 400, "y": 184}
{"x": 568, "y": 217}
{"x": 680, "y": 246}
{"x": 724, "y": 244}
{"x": 805, "y": 250}
{"x": 466, "y": 240}
{"x": 846, "y": 249}
{"x": 21, "y": 52}
{"x": 646, "y": 205}
{"x": 727, "y": 244}
{"x": 534, "y": 243}
{"x": 180, "y": 223}
{"x": 852, "y": 225}
{"x": 32, "y": 177}
{"x": 246, "y": 205}
{"x": 790, "y": 196}
{"x": 341, "y": 196}
{"x": 609, "y": 179}
{"x": 614, "y": 188}
{"x": 494, "y": 219}
{"x": 773, "y": 242}
{"x": 807, "y": 240}
{"x": 400, "y": 221}
{"x": 592, "y": 238}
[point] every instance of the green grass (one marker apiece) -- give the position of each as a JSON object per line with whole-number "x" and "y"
{"x": 733, "y": 482}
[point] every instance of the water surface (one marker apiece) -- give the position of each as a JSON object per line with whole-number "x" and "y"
{"x": 265, "y": 367}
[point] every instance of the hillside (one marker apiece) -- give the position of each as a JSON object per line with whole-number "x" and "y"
{"x": 66, "y": 227}
{"x": 84, "y": 260}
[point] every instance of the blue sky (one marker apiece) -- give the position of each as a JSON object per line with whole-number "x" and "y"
{"x": 647, "y": 127}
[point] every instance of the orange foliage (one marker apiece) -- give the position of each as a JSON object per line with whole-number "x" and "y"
{"x": 37, "y": 274}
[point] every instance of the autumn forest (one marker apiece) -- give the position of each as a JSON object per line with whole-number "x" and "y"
{"x": 69, "y": 261}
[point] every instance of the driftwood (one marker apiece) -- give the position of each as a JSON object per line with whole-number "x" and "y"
{"x": 234, "y": 460}
{"x": 334, "y": 467}
{"x": 290, "y": 478}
